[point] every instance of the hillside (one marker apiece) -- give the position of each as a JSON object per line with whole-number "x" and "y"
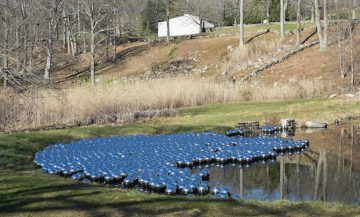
{"x": 215, "y": 55}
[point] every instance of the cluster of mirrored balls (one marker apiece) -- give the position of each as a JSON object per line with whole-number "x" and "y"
{"x": 163, "y": 164}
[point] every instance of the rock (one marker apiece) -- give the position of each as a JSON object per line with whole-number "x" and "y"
{"x": 315, "y": 124}
{"x": 288, "y": 123}
{"x": 230, "y": 48}
{"x": 332, "y": 96}
{"x": 62, "y": 63}
{"x": 350, "y": 95}
{"x": 352, "y": 117}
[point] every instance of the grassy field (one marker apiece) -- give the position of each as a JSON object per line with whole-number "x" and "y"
{"x": 26, "y": 192}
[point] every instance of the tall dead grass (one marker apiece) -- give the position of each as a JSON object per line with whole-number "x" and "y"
{"x": 250, "y": 51}
{"x": 117, "y": 103}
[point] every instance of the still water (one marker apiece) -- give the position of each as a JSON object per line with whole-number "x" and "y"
{"x": 328, "y": 171}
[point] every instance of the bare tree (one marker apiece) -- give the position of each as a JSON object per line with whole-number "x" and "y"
{"x": 52, "y": 11}
{"x": 6, "y": 24}
{"x": 95, "y": 11}
{"x": 235, "y": 10}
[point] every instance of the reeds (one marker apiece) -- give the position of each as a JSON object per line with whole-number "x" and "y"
{"x": 118, "y": 103}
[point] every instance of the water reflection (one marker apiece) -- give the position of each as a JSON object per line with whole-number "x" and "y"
{"x": 329, "y": 171}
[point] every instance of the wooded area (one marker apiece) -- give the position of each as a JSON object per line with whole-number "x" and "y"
{"x": 85, "y": 25}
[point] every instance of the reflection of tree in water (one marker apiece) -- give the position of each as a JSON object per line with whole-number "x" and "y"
{"x": 330, "y": 171}
{"x": 321, "y": 169}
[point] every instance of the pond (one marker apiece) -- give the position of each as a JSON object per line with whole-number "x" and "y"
{"x": 255, "y": 167}
{"x": 328, "y": 171}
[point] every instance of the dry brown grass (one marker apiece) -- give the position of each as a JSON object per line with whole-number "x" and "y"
{"x": 250, "y": 51}
{"x": 117, "y": 103}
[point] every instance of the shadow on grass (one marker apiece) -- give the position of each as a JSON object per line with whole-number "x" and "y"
{"x": 43, "y": 194}
{"x": 60, "y": 200}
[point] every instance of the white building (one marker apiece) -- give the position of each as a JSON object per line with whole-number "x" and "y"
{"x": 184, "y": 26}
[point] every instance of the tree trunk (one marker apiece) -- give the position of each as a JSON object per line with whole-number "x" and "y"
{"x": 92, "y": 39}
{"x": 223, "y": 12}
{"x": 325, "y": 177}
{"x": 114, "y": 48}
{"x": 326, "y": 25}
{"x": 242, "y": 42}
{"x": 285, "y": 9}
{"x": 352, "y": 62}
{"x": 31, "y": 58}
{"x": 25, "y": 59}
{"x": 48, "y": 60}
{"x": 318, "y": 24}
{"x": 6, "y": 31}
{"x": 298, "y": 21}
{"x": 68, "y": 38}
{"x": 5, "y": 77}
{"x": 17, "y": 44}
{"x": 282, "y": 18}
{"x": 282, "y": 178}
{"x": 339, "y": 38}
{"x": 268, "y": 2}
{"x": 107, "y": 45}
{"x": 168, "y": 21}
{"x": 84, "y": 43}
{"x": 318, "y": 174}
{"x": 64, "y": 35}
{"x": 312, "y": 14}
{"x": 241, "y": 183}
{"x": 354, "y": 10}
{"x": 78, "y": 29}
{"x": 6, "y": 39}
{"x": 107, "y": 40}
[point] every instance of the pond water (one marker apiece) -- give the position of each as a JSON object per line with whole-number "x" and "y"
{"x": 328, "y": 171}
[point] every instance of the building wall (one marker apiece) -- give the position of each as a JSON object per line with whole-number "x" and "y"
{"x": 180, "y": 26}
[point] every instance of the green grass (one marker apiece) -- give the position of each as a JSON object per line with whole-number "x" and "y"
{"x": 25, "y": 191}
{"x": 273, "y": 27}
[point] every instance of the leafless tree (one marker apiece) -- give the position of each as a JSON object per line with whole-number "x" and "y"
{"x": 235, "y": 10}
{"x": 95, "y": 11}
{"x": 52, "y": 12}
